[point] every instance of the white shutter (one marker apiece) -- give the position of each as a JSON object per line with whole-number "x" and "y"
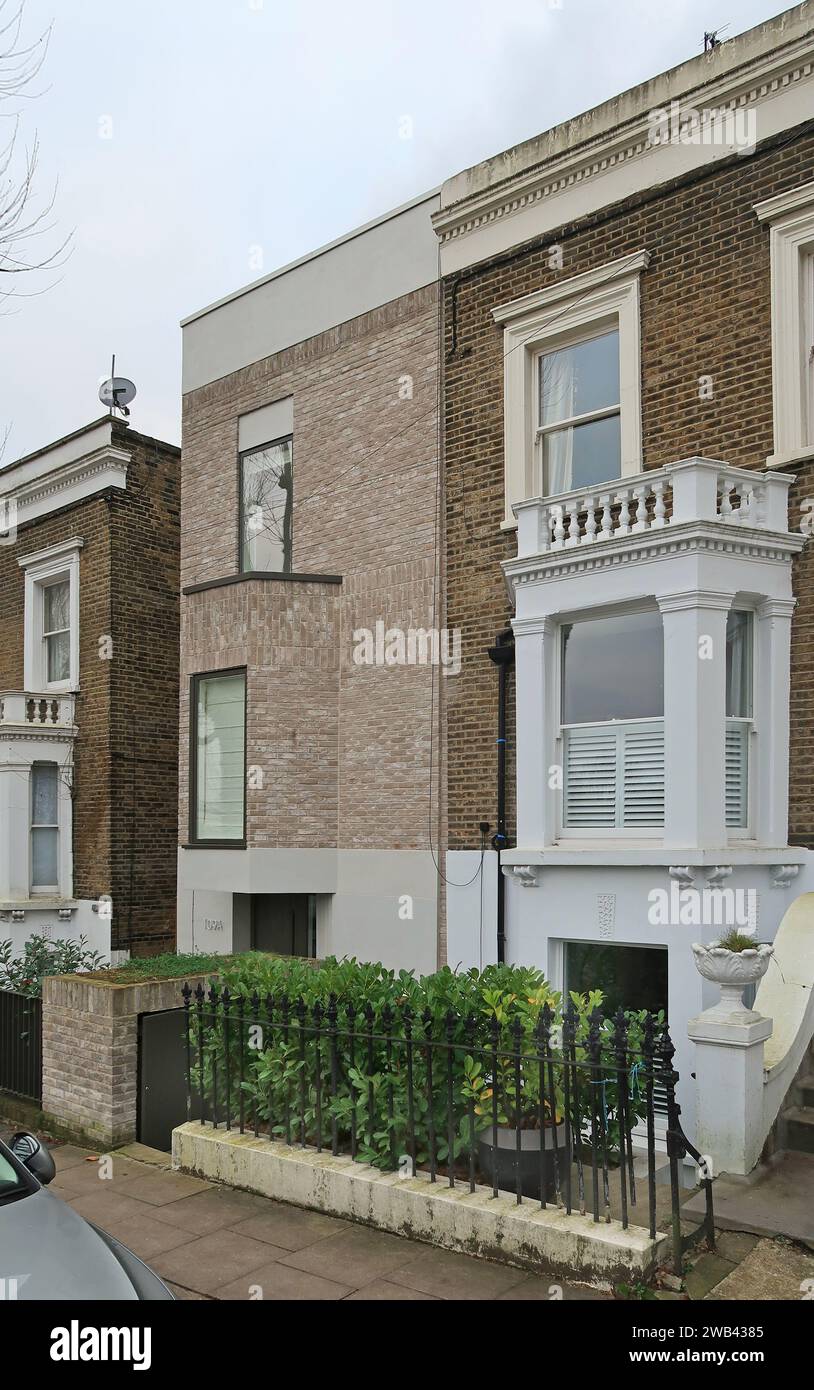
{"x": 643, "y": 776}
{"x": 589, "y": 793}
{"x": 737, "y": 773}
{"x": 614, "y": 776}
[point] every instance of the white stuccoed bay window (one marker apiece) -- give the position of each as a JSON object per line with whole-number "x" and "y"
{"x": 652, "y": 636}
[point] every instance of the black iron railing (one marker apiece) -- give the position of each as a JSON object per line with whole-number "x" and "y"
{"x": 21, "y": 1045}
{"x": 563, "y": 1111}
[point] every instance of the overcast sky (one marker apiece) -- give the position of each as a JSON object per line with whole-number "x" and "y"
{"x": 190, "y": 136}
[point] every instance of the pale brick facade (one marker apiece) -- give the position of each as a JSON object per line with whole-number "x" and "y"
{"x": 338, "y": 753}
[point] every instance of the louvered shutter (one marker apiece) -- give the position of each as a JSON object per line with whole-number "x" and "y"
{"x": 614, "y": 777}
{"x": 643, "y": 776}
{"x": 589, "y": 795}
{"x": 737, "y": 773}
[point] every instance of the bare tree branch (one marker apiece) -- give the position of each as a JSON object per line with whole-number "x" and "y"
{"x": 21, "y": 221}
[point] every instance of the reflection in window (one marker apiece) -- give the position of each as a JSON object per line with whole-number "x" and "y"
{"x": 266, "y": 507}
{"x": 739, "y": 665}
{"x": 44, "y": 827}
{"x": 579, "y": 415}
{"x": 56, "y": 631}
{"x": 613, "y": 668}
{"x": 220, "y": 742}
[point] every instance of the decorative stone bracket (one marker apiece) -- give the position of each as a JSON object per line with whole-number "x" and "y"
{"x": 527, "y": 875}
{"x": 783, "y": 874}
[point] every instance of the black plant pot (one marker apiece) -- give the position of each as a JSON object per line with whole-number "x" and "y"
{"x": 504, "y": 1159}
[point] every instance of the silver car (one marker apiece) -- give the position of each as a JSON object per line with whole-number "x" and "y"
{"x": 47, "y": 1250}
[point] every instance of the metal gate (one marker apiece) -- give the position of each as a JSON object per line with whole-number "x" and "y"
{"x": 162, "y": 1077}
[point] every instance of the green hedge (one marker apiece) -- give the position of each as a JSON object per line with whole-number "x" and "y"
{"x": 503, "y": 1006}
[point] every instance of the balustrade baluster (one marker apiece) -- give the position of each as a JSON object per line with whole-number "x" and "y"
{"x": 623, "y": 526}
{"x": 607, "y": 519}
{"x": 590, "y": 521}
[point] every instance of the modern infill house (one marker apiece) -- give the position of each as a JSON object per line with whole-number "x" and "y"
{"x": 310, "y": 672}
{"x": 89, "y": 544}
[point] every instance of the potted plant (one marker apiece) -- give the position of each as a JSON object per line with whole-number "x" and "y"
{"x": 732, "y": 963}
{"x": 518, "y": 1106}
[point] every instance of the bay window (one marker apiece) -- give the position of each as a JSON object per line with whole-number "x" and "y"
{"x": 218, "y": 758}
{"x": 612, "y": 723}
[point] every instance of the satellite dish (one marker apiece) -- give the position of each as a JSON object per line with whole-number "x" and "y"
{"x": 117, "y": 393}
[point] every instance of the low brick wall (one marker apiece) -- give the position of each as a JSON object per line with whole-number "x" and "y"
{"x": 90, "y": 1053}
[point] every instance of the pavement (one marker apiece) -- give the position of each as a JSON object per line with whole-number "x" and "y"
{"x": 776, "y": 1199}
{"x": 212, "y": 1242}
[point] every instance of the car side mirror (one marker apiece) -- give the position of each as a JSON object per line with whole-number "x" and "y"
{"x": 34, "y": 1154}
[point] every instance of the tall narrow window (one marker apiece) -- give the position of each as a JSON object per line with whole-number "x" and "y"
{"x": 579, "y": 430}
{"x": 266, "y": 507}
{"x": 808, "y": 342}
{"x": 45, "y": 828}
{"x": 219, "y": 757}
{"x": 56, "y": 631}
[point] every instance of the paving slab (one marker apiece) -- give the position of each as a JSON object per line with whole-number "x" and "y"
{"x": 355, "y": 1257}
{"x": 160, "y": 1188}
{"x": 211, "y": 1261}
{"x": 292, "y": 1227}
{"x": 274, "y": 1283}
{"x": 776, "y": 1199}
{"x": 147, "y": 1237}
{"x": 707, "y": 1271}
{"x": 209, "y": 1211}
{"x": 447, "y": 1274}
{"x": 772, "y": 1272}
{"x": 735, "y": 1245}
{"x": 144, "y": 1154}
{"x": 381, "y": 1290}
{"x": 106, "y": 1207}
{"x": 69, "y": 1155}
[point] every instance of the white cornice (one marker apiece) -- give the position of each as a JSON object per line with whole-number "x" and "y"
{"x": 52, "y": 552}
{"x": 578, "y": 180}
{"x": 611, "y": 273}
{"x": 771, "y": 209}
{"x": 749, "y": 543}
{"x": 96, "y": 472}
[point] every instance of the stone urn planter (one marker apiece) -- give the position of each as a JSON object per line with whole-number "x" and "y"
{"x": 732, "y": 971}
{"x": 504, "y": 1158}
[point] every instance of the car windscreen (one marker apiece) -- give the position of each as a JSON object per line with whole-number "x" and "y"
{"x": 14, "y": 1181}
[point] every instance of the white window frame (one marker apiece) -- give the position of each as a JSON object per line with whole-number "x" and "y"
{"x": 49, "y": 890}
{"x": 59, "y": 562}
{"x": 651, "y": 834}
{"x": 573, "y": 421}
{"x": 570, "y": 310}
{"x": 746, "y": 832}
{"x": 790, "y": 217}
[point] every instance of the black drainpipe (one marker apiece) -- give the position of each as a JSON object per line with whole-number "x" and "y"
{"x": 502, "y": 654}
